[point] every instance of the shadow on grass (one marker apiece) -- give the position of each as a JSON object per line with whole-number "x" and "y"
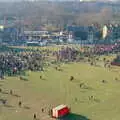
{"x": 4, "y": 92}
{"x": 88, "y": 88}
{"x": 26, "y": 80}
{"x": 73, "y": 116}
{"x": 15, "y": 95}
{"x": 97, "y": 100}
{"x": 9, "y": 106}
{"x": 44, "y": 79}
{"x": 23, "y": 78}
{"x": 26, "y": 107}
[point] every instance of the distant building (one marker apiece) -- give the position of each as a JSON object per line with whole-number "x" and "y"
{"x": 113, "y": 32}
{"x": 10, "y": 34}
{"x": 8, "y": 20}
{"x": 78, "y": 32}
{"x": 88, "y": 0}
{"x": 116, "y": 32}
{"x": 35, "y": 35}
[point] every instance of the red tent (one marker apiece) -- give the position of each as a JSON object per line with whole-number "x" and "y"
{"x": 60, "y": 111}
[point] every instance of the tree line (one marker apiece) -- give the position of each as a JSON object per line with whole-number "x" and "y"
{"x": 57, "y": 14}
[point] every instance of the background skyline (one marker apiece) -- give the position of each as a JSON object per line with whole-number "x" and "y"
{"x": 60, "y": 0}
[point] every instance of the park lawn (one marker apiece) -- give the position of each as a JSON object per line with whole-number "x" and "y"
{"x": 56, "y": 88}
{"x": 52, "y": 48}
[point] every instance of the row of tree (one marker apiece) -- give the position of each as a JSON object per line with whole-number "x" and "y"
{"x": 58, "y": 14}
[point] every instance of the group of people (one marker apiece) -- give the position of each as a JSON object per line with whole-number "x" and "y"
{"x": 67, "y": 54}
{"x": 20, "y": 104}
{"x": 103, "y": 49}
{"x": 16, "y": 63}
{"x": 12, "y": 62}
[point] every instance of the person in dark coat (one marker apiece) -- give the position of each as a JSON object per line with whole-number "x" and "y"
{"x": 116, "y": 79}
{"x": 40, "y": 77}
{"x": 4, "y": 102}
{"x": 0, "y": 90}
{"x": 104, "y": 81}
{"x": 20, "y": 104}
{"x": 34, "y": 116}
{"x": 81, "y": 85}
{"x": 71, "y": 78}
{"x": 91, "y": 97}
{"x": 42, "y": 109}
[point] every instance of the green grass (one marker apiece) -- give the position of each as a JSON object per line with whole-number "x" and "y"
{"x": 53, "y": 48}
{"x": 56, "y": 88}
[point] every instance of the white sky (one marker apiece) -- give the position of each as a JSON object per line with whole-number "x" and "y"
{"x": 58, "y": 0}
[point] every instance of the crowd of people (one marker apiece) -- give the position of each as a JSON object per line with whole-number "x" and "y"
{"x": 103, "y": 49}
{"x": 68, "y": 54}
{"x": 12, "y": 63}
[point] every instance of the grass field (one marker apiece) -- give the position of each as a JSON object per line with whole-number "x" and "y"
{"x": 52, "y": 48}
{"x": 56, "y": 88}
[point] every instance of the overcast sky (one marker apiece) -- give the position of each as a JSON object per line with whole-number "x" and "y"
{"x": 57, "y": 0}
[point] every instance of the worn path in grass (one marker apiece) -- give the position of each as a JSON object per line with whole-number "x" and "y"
{"x": 56, "y": 88}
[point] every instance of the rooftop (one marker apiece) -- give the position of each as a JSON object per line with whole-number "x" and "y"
{"x": 60, "y": 107}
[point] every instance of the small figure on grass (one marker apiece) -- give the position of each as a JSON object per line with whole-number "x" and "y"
{"x": 11, "y": 92}
{"x": 4, "y": 102}
{"x": 50, "y": 112}
{"x": 89, "y": 60}
{"x": 109, "y": 66}
{"x": 97, "y": 59}
{"x": 20, "y": 104}
{"x": 34, "y": 116}
{"x": 91, "y": 97}
{"x": 104, "y": 59}
{"x": 104, "y": 81}
{"x": 0, "y": 90}
{"x": 71, "y": 78}
{"x": 91, "y": 63}
{"x": 42, "y": 110}
{"x": 20, "y": 78}
{"x": 81, "y": 85}
{"x": 76, "y": 99}
{"x": 56, "y": 68}
{"x": 116, "y": 79}
{"x": 40, "y": 76}
{"x": 94, "y": 99}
